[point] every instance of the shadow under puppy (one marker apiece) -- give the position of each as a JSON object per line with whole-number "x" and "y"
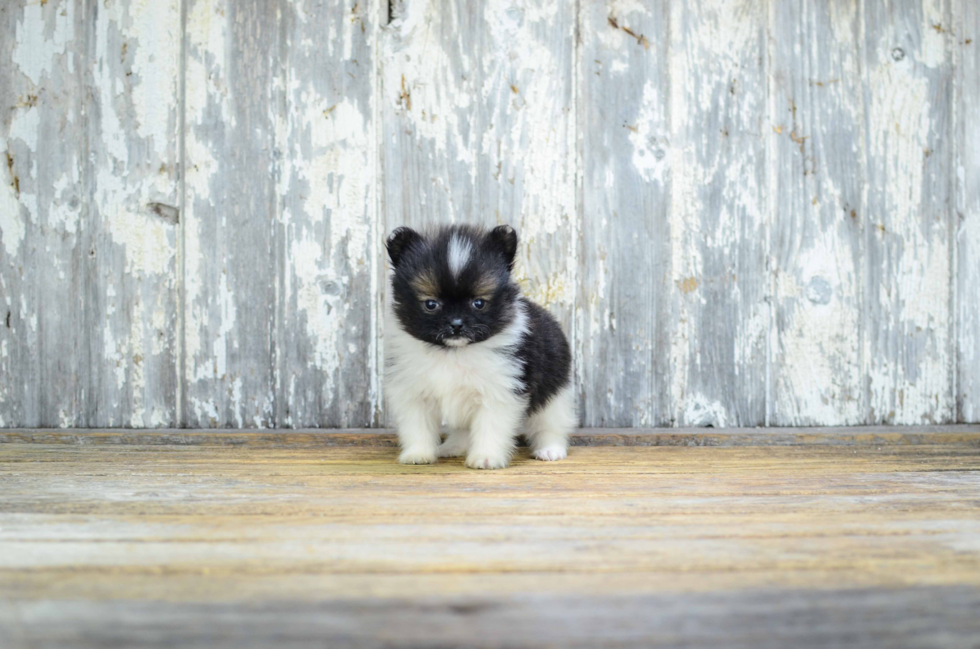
{"x": 465, "y": 347}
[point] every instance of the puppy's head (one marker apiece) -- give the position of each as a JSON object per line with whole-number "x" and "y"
{"x": 453, "y": 287}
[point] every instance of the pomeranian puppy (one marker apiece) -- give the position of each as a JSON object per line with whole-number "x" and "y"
{"x": 464, "y": 347}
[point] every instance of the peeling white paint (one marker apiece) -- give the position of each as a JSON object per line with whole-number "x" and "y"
{"x": 420, "y": 78}
{"x": 40, "y": 41}
{"x": 716, "y": 215}
{"x": 15, "y": 196}
{"x": 967, "y": 211}
{"x": 24, "y": 126}
{"x": 65, "y": 211}
{"x": 934, "y": 30}
{"x": 207, "y": 44}
{"x": 156, "y": 67}
{"x": 12, "y": 226}
{"x": 909, "y": 368}
{"x": 651, "y": 158}
{"x": 205, "y": 167}
{"x": 820, "y": 382}
{"x": 225, "y": 301}
{"x": 490, "y": 136}
{"x": 206, "y": 40}
{"x": 339, "y": 175}
{"x": 816, "y": 143}
{"x": 321, "y": 329}
{"x": 160, "y": 418}
{"x": 135, "y": 362}
{"x": 147, "y": 240}
{"x": 328, "y": 179}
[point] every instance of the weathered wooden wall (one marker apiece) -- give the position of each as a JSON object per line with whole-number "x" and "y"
{"x": 743, "y": 212}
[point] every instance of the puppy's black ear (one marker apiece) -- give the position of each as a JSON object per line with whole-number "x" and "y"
{"x": 503, "y": 238}
{"x": 399, "y": 242}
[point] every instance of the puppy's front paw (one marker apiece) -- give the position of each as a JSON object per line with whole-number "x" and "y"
{"x": 551, "y": 453}
{"x": 411, "y": 456}
{"x": 480, "y": 461}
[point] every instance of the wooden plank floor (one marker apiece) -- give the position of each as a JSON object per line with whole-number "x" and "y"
{"x": 291, "y": 542}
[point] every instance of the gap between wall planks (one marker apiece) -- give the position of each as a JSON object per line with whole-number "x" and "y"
{"x": 772, "y": 208}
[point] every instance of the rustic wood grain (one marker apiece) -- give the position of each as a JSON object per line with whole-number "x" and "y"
{"x": 327, "y": 374}
{"x": 718, "y": 216}
{"x": 743, "y": 213}
{"x": 190, "y": 544}
{"x": 966, "y": 224}
{"x": 43, "y": 208}
{"x": 816, "y": 142}
{"x": 623, "y": 341}
{"x": 130, "y": 233}
{"x": 479, "y": 127}
{"x": 90, "y": 214}
{"x": 907, "y": 83}
{"x": 230, "y": 264}
{"x": 280, "y": 252}
{"x": 925, "y": 618}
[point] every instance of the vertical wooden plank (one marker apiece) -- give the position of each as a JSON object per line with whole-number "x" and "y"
{"x": 479, "y": 127}
{"x": 966, "y": 43}
{"x": 625, "y": 260}
{"x": 230, "y": 267}
{"x": 230, "y": 270}
{"x": 279, "y": 237}
{"x": 816, "y": 110}
{"x": 43, "y": 207}
{"x": 907, "y": 77}
{"x": 90, "y": 202}
{"x": 718, "y": 213}
{"x": 327, "y": 182}
{"x": 130, "y": 234}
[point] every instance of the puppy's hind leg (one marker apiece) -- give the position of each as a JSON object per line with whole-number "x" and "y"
{"x": 548, "y": 428}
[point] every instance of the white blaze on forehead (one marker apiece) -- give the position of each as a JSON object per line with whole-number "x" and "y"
{"x": 459, "y": 254}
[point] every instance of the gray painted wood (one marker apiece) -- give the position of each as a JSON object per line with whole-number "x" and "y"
{"x": 279, "y": 264}
{"x": 479, "y": 127}
{"x": 624, "y": 270}
{"x": 42, "y": 210}
{"x": 715, "y": 256}
{"x": 718, "y": 215}
{"x": 908, "y": 289}
{"x": 937, "y": 617}
{"x": 966, "y": 48}
{"x": 130, "y": 232}
{"x": 230, "y": 255}
{"x": 89, "y": 213}
{"x": 816, "y": 112}
{"x": 326, "y": 227}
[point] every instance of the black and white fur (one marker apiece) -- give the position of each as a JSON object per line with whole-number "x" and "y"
{"x": 465, "y": 348}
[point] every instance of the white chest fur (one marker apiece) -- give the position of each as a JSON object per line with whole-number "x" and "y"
{"x": 456, "y": 381}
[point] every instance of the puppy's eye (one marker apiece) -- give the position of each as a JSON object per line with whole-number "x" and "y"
{"x": 431, "y": 305}
{"x": 479, "y": 304}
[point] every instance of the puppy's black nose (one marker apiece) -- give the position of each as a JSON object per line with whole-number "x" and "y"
{"x": 456, "y": 324}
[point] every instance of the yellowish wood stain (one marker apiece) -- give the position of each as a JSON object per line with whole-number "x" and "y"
{"x": 222, "y": 523}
